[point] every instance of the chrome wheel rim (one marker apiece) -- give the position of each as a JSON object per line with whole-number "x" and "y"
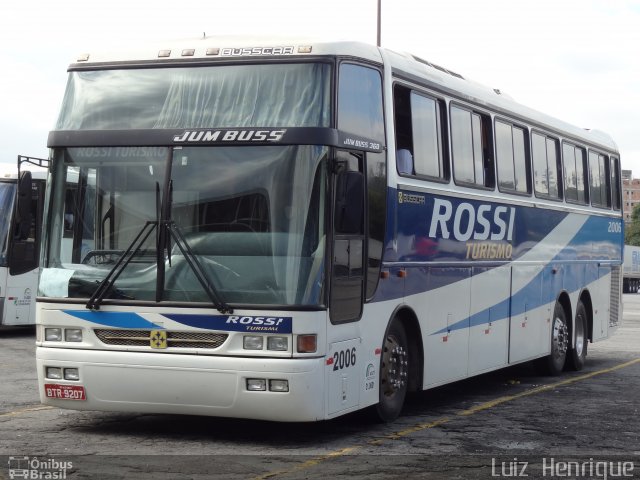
{"x": 395, "y": 363}
{"x": 560, "y": 339}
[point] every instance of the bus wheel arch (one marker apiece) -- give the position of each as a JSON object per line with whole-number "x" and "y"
{"x": 401, "y": 361}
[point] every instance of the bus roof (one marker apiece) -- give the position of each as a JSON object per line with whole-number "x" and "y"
{"x": 212, "y": 49}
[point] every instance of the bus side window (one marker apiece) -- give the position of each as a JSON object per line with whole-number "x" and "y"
{"x": 512, "y": 157}
{"x": 471, "y": 148}
{"x": 574, "y": 173}
{"x": 615, "y": 182}
{"x": 546, "y": 166}
{"x": 419, "y": 139}
{"x": 599, "y": 188}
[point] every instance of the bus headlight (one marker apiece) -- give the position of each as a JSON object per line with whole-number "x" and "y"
{"x": 54, "y": 373}
{"x": 278, "y": 385}
{"x": 252, "y": 342}
{"x": 53, "y": 334}
{"x": 73, "y": 334}
{"x": 256, "y": 384}
{"x": 277, "y": 343}
{"x": 71, "y": 374}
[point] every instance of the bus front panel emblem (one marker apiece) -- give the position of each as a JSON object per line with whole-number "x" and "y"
{"x": 158, "y": 339}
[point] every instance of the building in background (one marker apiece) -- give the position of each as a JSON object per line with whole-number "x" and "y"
{"x": 630, "y": 193}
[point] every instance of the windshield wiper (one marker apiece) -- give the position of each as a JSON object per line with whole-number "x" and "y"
{"x": 167, "y": 230}
{"x": 96, "y": 299}
{"x": 196, "y": 267}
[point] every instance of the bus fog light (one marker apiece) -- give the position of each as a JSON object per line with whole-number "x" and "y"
{"x": 73, "y": 335}
{"x": 71, "y": 374}
{"x": 278, "y": 385}
{"x": 256, "y": 384}
{"x": 277, "y": 343}
{"x": 251, "y": 342}
{"x": 53, "y": 334}
{"x": 54, "y": 373}
{"x": 307, "y": 343}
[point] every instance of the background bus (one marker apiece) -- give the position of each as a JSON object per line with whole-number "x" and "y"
{"x": 295, "y": 232}
{"x": 19, "y": 240}
{"x": 631, "y": 269}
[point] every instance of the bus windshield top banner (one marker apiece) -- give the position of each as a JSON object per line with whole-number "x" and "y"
{"x": 214, "y": 137}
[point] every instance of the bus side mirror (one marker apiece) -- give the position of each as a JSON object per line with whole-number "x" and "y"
{"x": 23, "y": 207}
{"x": 23, "y": 248}
{"x": 349, "y": 210}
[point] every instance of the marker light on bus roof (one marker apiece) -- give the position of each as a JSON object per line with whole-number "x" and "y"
{"x": 164, "y": 53}
{"x": 213, "y": 51}
{"x": 305, "y": 49}
{"x": 83, "y": 57}
{"x": 188, "y": 52}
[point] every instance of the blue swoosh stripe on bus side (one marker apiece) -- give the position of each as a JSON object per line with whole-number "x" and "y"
{"x": 114, "y": 319}
{"x": 500, "y": 311}
{"x": 515, "y": 305}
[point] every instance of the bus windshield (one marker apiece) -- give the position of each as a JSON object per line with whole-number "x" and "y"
{"x": 278, "y": 95}
{"x": 252, "y": 216}
{"x": 7, "y": 195}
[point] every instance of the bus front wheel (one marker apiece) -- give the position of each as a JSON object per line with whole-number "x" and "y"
{"x": 394, "y": 372}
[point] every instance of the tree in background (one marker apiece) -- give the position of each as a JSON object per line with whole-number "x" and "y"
{"x": 632, "y": 229}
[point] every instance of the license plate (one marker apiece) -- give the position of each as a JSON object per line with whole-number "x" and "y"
{"x": 64, "y": 392}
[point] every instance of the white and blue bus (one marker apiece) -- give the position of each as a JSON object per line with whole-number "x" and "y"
{"x": 295, "y": 231}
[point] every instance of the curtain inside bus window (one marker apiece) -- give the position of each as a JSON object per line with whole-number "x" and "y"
{"x": 282, "y": 95}
{"x": 252, "y": 216}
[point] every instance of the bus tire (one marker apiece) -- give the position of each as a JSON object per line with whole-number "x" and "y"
{"x": 553, "y": 364}
{"x": 578, "y": 354}
{"x": 394, "y": 373}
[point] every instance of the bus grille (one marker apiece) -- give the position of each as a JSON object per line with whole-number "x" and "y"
{"x": 175, "y": 339}
{"x": 614, "y": 301}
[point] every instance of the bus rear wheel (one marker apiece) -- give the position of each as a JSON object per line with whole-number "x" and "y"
{"x": 394, "y": 373}
{"x": 578, "y": 354}
{"x": 553, "y": 364}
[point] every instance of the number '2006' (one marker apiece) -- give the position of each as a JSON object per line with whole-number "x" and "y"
{"x": 615, "y": 227}
{"x": 344, "y": 359}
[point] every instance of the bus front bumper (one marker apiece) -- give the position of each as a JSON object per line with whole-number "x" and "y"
{"x": 185, "y": 384}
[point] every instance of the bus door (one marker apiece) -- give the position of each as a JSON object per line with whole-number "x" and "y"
{"x": 347, "y": 278}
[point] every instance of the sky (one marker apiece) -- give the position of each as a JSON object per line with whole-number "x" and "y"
{"x": 577, "y": 60}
